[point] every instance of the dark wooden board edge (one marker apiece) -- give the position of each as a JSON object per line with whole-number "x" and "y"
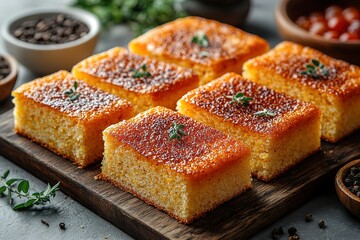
{"x": 240, "y": 217}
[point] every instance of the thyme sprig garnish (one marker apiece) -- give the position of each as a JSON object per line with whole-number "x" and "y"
{"x": 240, "y": 98}
{"x": 72, "y": 94}
{"x": 265, "y": 113}
{"x": 200, "y": 39}
{"x": 20, "y": 188}
{"x": 176, "y": 131}
{"x": 315, "y": 69}
{"x": 141, "y": 72}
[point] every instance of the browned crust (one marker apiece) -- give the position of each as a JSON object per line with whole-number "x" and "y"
{"x": 190, "y": 156}
{"x": 115, "y": 68}
{"x": 288, "y": 60}
{"x": 167, "y": 38}
{"x": 49, "y": 92}
{"x": 212, "y": 98}
{"x": 101, "y": 176}
{"x": 56, "y": 151}
{"x": 268, "y": 179}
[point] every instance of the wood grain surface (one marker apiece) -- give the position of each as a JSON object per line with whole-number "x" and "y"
{"x": 238, "y": 218}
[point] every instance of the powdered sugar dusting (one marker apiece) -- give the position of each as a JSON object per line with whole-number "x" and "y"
{"x": 91, "y": 101}
{"x": 118, "y": 65}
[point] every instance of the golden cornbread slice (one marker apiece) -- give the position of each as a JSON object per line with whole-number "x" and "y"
{"x": 69, "y": 125}
{"x": 185, "y": 177}
{"x": 287, "y": 134}
{"x": 208, "y": 47}
{"x": 336, "y": 91}
{"x": 144, "y": 82}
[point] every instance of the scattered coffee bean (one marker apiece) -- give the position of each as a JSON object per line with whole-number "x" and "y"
{"x": 294, "y": 237}
{"x": 308, "y": 217}
{"x": 62, "y": 226}
{"x": 4, "y": 68}
{"x": 292, "y": 231}
{"x": 322, "y": 224}
{"x": 51, "y": 30}
{"x": 276, "y": 233}
{"x": 45, "y": 222}
{"x": 352, "y": 180}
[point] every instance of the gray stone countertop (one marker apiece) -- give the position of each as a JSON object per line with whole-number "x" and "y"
{"x": 82, "y": 223}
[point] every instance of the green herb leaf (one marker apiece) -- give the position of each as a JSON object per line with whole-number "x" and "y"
{"x": 11, "y": 182}
{"x": 19, "y": 206}
{"x": 200, "y": 39}
{"x": 71, "y": 93}
{"x": 240, "y": 98}
{"x": 22, "y": 191}
{"x": 176, "y": 131}
{"x": 2, "y": 189}
{"x": 315, "y": 62}
{"x": 141, "y": 72}
{"x": 315, "y": 69}
{"x": 6, "y": 174}
{"x": 265, "y": 113}
{"x": 23, "y": 186}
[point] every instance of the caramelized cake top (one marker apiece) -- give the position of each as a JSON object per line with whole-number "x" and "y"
{"x": 289, "y": 60}
{"x": 174, "y": 40}
{"x": 50, "y": 91}
{"x": 201, "y": 151}
{"x": 118, "y": 66}
{"x": 215, "y": 98}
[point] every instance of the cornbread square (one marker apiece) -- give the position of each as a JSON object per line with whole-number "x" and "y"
{"x": 337, "y": 93}
{"x": 114, "y": 71}
{"x": 186, "y": 177}
{"x": 73, "y": 127}
{"x": 208, "y": 47}
{"x": 277, "y": 142}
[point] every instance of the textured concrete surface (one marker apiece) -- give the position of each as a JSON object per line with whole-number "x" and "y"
{"x": 81, "y": 223}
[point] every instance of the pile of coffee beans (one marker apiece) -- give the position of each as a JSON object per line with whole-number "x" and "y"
{"x": 352, "y": 180}
{"x": 51, "y": 30}
{"x": 4, "y": 68}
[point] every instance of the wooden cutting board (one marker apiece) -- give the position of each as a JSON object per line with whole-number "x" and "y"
{"x": 238, "y": 218}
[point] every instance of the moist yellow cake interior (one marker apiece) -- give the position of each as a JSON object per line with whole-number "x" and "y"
{"x": 337, "y": 95}
{"x": 277, "y": 143}
{"x": 113, "y": 72}
{"x": 71, "y": 129}
{"x": 185, "y": 187}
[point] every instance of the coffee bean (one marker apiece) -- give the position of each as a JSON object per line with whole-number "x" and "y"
{"x": 4, "y": 68}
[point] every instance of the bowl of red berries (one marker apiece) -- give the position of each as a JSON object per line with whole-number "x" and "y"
{"x": 331, "y": 26}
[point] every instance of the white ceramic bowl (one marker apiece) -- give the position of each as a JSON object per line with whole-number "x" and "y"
{"x": 46, "y": 59}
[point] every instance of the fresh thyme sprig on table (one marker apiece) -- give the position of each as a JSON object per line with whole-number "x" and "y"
{"x": 71, "y": 93}
{"x": 7, "y": 186}
{"x": 142, "y": 72}
{"x": 200, "y": 39}
{"x": 176, "y": 131}
{"x": 265, "y": 113}
{"x": 315, "y": 69}
{"x": 240, "y": 98}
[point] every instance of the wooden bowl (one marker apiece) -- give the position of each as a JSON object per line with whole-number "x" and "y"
{"x": 347, "y": 198}
{"x": 7, "y": 84}
{"x": 288, "y": 11}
